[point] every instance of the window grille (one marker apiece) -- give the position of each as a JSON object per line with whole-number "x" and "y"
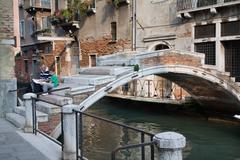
{"x": 114, "y": 31}
{"x": 205, "y": 31}
{"x": 232, "y": 57}
{"x": 209, "y": 49}
{"x": 22, "y": 28}
{"x": 230, "y": 28}
{"x": 26, "y": 65}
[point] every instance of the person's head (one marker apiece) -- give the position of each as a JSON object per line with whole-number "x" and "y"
{"x": 43, "y": 67}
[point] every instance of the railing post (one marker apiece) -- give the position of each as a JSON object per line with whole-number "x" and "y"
{"x": 29, "y": 111}
{"x": 69, "y": 129}
{"x": 169, "y": 145}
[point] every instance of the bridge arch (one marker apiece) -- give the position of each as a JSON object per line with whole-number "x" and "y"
{"x": 198, "y": 82}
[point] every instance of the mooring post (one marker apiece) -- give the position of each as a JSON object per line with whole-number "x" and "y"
{"x": 169, "y": 145}
{"x": 29, "y": 111}
{"x": 69, "y": 129}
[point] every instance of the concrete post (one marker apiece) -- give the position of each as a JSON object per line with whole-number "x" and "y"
{"x": 169, "y": 145}
{"x": 69, "y": 129}
{"x": 28, "y": 105}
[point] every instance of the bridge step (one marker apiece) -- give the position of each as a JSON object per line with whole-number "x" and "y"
{"x": 75, "y": 89}
{"x": 41, "y": 117}
{"x": 58, "y": 100}
{"x": 89, "y": 79}
{"x": 48, "y": 108}
{"x": 16, "y": 119}
{"x": 105, "y": 70}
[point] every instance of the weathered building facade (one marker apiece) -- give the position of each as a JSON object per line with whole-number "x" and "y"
{"x": 34, "y": 22}
{"x": 210, "y": 27}
{"x": 8, "y": 47}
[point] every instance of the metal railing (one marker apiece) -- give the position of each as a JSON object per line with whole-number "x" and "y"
{"x": 194, "y": 4}
{"x": 152, "y": 89}
{"x": 35, "y": 121}
{"x": 79, "y": 135}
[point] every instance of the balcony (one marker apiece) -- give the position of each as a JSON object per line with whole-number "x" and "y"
{"x": 184, "y": 6}
{"x": 38, "y": 5}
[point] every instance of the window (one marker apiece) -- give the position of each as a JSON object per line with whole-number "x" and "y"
{"x": 26, "y": 65}
{"x": 93, "y": 4}
{"x": 45, "y": 3}
{"x": 32, "y": 2}
{"x": 22, "y": 28}
{"x": 230, "y": 28}
{"x": 31, "y": 29}
{"x": 205, "y": 31}
{"x": 45, "y": 23}
{"x": 114, "y": 31}
{"x": 209, "y": 49}
{"x": 48, "y": 49}
{"x": 161, "y": 47}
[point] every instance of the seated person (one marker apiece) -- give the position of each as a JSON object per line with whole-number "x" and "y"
{"x": 45, "y": 74}
{"x": 52, "y": 83}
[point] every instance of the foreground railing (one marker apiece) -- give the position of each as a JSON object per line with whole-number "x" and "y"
{"x": 79, "y": 135}
{"x": 35, "y": 121}
{"x": 169, "y": 144}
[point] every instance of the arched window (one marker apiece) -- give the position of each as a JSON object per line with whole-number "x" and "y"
{"x": 161, "y": 47}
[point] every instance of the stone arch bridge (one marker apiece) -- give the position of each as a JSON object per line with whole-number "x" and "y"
{"x": 207, "y": 85}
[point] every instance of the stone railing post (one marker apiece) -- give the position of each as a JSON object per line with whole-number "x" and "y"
{"x": 169, "y": 145}
{"x": 29, "y": 115}
{"x": 69, "y": 129}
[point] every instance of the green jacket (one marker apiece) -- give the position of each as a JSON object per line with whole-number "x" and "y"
{"x": 54, "y": 80}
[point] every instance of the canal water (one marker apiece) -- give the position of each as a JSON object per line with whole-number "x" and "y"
{"x": 205, "y": 140}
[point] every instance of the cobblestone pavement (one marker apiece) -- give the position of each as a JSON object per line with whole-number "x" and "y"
{"x": 14, "y": 147}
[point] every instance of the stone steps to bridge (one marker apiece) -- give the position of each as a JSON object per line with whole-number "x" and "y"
{"x": 92, "y": 80}
{"x": 56, "y": 99}
{"x": 41, "y": 117}
{"x": 75, "y": 89}
{"x": 16, "y": 119}
{"x": 105, "y": 70}
{"x": 47, "y": 108}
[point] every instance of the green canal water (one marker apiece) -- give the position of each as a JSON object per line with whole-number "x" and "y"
{"x": 205, "y": 140}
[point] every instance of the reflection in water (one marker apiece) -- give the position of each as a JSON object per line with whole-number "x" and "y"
{"x": 205, "y": 140}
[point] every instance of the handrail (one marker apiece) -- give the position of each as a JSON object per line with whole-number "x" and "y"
{"x": 79, "y": 134}
{"x": 38, "y": 99}
{"x": 116, "y": 123}
{"x": 19, "y": 89}
{"x": 34, "y": 121}
{"x": 53, "y": 90}
{"x": 113, "y": 154}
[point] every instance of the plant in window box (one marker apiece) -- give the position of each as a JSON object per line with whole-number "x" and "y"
{"x": 66, "y": 15}
{"x": 118, "y": 3}
{"x": 56, "y": 18}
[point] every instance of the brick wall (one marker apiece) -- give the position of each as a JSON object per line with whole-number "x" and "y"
{"x": 101, "y": 47}
{"x": 48, "y": 127}
{"x": 172, "y": 59}
{"x": 6, "y": 19}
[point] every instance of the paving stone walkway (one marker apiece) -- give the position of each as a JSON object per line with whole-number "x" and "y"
{"x": 14, "y": 147}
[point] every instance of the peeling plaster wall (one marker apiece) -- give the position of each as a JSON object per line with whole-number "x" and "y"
{"x": 7, "y": 76}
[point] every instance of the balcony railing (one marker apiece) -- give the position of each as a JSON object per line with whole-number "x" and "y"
{"x": 197, "y": 4}
{"x": 46, "y": 4}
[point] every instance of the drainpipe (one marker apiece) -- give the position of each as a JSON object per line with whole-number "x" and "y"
{"x": 68, "y": 58}
{"x": 134, "y": 20}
